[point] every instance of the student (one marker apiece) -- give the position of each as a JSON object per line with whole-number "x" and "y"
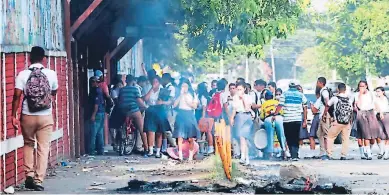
{"x": 367, "y": 123}
{"x": 273, "y": 123}
{"x": 130, "y": 104}
{"x": 343, "y": 117}
{"x": 294, "y": 103}
{"x": 317, "y": 109}
{"x": 383, "y": 116}
{"x": 203, "y": 98}
{"x": 185, "y": 125}
{"x": 241, "y": 120}
{"x": 156, "y": 122}
{"x": 325, "y": 121}
{"x": 36, "y": 121}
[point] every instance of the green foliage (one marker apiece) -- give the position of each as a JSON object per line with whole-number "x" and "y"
{"x": 314, "y": 65}
{"x": 213, "y": 24}
{"x": 359, "y": 38}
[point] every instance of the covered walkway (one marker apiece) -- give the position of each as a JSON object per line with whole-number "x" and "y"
{"x": 78, "y": 36}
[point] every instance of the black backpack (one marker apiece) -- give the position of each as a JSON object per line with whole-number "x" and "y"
{"x": 343, "y": 111}
{"x": 331, "y": 108}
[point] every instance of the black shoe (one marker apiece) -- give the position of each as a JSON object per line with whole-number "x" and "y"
{"x": 343, "y": 158}
{"x": 39, "y": 187}
{"x": 380, "y": 156}
{"x": 29, "y": 183}
{"x": 325, "y": 157}
{"x": 369, "y": 158}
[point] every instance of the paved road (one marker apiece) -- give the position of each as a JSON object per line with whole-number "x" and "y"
{"x": 114, "y": 172}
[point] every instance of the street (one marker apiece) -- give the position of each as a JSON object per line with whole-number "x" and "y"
{"x": 110, "y": 174}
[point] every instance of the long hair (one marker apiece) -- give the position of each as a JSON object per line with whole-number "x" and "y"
{"x": 382, "y": 89}
{"x": 202, "y": 91}
{"x": 185, "y": 80}
{"x": 362, "y": 81}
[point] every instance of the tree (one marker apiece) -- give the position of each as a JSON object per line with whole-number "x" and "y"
{"x": 314, "y": 65}
{"x": 358, "y": 39}
{"x": 212, "y": 29}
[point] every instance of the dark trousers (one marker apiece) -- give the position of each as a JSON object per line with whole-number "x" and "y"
{"x": 292, "y": 134}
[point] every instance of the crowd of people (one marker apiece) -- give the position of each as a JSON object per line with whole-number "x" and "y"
{"x": 168, "y": 115}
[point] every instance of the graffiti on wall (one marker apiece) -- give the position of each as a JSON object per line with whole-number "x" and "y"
{"x": 24, "y": 23}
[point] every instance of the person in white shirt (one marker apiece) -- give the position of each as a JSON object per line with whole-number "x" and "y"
{"x": 325, "y": 121}
{"x": 367, "y": 123}
{"x": 156, "y": 121}
{"x": 343, "y": 115}
{"x": 317, "y": 109}
{"x": 241, "y": 120}
{"x": 186, "y": 125}
{"x": 35, "y": 124}
{"x": 382, "y": 104}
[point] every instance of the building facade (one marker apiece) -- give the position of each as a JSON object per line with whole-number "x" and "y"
{"x": 24, "y": 24}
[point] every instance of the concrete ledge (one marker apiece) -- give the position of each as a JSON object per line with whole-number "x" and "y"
{"x": 27, "y": 48}
{"x": 14, "y": 143}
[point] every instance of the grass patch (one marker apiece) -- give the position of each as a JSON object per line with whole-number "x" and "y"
{"x": 217, "y": 172}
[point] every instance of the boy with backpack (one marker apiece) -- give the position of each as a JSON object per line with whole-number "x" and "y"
{"x": 343, "y": 111}
{"x": 38, "y": 84}
{"x": 325, "y": 122}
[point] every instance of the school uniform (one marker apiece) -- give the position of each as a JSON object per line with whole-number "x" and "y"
{"x": 185, "y": 125}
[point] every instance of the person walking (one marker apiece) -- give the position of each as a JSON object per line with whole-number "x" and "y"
{"x": 343, "y": 113}
{"x": 383, "y": 116}
{"x": 241, "y": 120}
{"x": 38, "y": 84}
{"x": 294, "y": 103}
{"x": 186, "y": 127}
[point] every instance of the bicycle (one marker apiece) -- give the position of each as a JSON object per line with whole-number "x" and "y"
{"x": 127, "y": 140}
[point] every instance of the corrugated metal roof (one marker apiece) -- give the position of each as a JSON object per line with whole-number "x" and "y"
{"x": 26, "y": 23}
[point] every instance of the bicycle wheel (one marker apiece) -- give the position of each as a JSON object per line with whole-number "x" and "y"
{"x": 130, "y": 142}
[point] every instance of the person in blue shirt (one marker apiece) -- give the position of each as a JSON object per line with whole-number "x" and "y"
{"x": 96, "y": 112}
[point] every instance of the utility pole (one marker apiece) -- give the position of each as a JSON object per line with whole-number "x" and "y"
{"x": 247, "y": 70}
{"x": 272, "y": 61}
{"x": 221, "y": 68}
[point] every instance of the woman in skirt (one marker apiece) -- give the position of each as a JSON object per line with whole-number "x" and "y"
{"x": 241, "y": 120}
{"x": 368, "y": 126}
{"x": 383, "y": 116}
{"x": 156, "y": 122}
{"x": 186, "y": 126}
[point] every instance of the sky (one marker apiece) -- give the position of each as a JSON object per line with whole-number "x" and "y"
{"x": 319, "y": 5}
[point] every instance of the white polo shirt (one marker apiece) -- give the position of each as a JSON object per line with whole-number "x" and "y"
{"x": 21, "y": 80}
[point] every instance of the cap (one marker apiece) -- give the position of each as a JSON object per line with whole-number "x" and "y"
{"x": 293, "y": 83}
{"x": 98, "y": 73}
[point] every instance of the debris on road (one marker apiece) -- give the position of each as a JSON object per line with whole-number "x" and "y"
{"x": 96, "y": 188}
{"x": 87, "y": 169}
{"x": 9, "y": 190}
{"x": 98, "y": 184}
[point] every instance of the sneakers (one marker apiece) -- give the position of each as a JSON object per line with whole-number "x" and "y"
{"x": 325, "y": 157}
{"x": 295, "y": 159}
{"x": 32, "y": 185}
{"x": 343, "y": 158}
{"x": 210, "y": 151}
{"x": 287, "y": 154}
{"x": 29, "y": 183}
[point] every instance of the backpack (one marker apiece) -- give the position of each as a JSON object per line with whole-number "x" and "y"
{"x": 343, "y": 111}
{"x": 38, "y": 91}
{"x": 331, "y": 108}
{"x": 214, "y": 108}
